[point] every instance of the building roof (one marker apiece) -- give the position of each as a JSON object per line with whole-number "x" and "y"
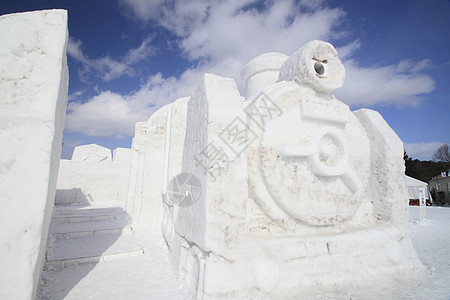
{"x": 410, "y": 181}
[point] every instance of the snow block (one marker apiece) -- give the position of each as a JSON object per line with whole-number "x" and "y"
{"x": 173, "y": 160}
{"x": 213, "y": 220}
{"x": 282, "y": 194}
{"x": 146, "y": 177}
{"x": 33, "y": 99}
{"x": 261, "y": 72}
{"x": 91, "y": 153}
{"x": 92, "y": 177}
{"x": 222, "y": 173}
{"x": 88, "y": 183}
{"x": 144, "y": 203}
{"x": 122, "y": 155}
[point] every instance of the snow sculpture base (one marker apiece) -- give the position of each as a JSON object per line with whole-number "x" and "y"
{"x": 33, "y": 99}
{"x": 277, "y": 268}
{"x": 284, "y": 193}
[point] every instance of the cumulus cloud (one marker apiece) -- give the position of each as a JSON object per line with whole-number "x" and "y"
{"x": 220, "y": 37}
{"x": 114, "y": 115}
{"x": 211, "y": 35}
{"x": 107, "y": 114}
{"x": 422, "y": 151}
{"x": 106, "y": 67}
{"x": 394, "y": 84}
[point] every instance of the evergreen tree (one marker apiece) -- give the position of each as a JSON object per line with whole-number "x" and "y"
{"x": 424, "y": 170}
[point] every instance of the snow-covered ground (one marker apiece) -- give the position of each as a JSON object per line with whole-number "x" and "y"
{"x": 149, "y": 276}
{"x": 145, "y": 276}
{"x": 431, "y": 239}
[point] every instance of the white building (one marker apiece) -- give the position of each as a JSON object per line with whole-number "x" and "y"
{"x": 413, "y": 185}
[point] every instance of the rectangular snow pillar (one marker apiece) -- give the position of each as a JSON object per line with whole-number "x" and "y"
{"x": 387, "y": 189}
{"x": 387, "y": 177}
{"x": 134, "y": 196}
{"x": 33, "y": 99}
{"x": 215, "y": 134}
{"x": 173, "y": 167}
{"x": 147, "y": 170}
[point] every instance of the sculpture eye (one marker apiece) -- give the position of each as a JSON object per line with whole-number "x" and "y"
{"x": 319, "y": 68}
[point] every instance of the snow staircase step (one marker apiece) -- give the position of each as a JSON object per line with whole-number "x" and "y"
{"x": 83, "y": 234}
{"x": 91, "y": 217}
{"x": 92, "y": 249}
{"x": 74, "y": 210}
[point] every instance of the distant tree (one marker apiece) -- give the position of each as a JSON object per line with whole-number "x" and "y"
{"x": 423, "y": 170}
{"x": 442, "y": 154}
{"x": 406, "y": 156}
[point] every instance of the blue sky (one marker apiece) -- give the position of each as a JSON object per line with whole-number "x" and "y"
{"x": 127, "y": 58}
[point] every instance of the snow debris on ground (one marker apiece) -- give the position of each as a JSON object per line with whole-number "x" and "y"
{"x": 150, "y": 275}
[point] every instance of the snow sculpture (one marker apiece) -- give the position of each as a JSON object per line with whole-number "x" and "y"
{"x": 297, "y": 192}
{"x": 122, "y": 155}
{"x": 92, "y": 177}
{"x": 33, "y": 99}
{"x": 261, "y": 72}
{"x": 151, "y": 150}
{"x": 313, "y": 145}
{"x": 91, "y": 153}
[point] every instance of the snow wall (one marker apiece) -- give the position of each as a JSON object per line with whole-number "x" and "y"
{"x": 279, "y": 194}
{"x": 33, "y": 99}
{"x": 156, "y": 143}
{"x": 93, "y": 176}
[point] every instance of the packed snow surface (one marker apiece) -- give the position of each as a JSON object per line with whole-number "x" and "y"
{"x": 150, "y": 276}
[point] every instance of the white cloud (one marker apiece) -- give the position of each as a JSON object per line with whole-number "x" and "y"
{"x": 422, "y": 65}
{"x": 220, "y": 30}
{"x": 140, "y": 53}
{"x": 220, "y": 37}
{"x": 114, "y": 115}
{"x": 347, "y": 50}
{"x": 394, "y": 84}
{"x": 422, "y": 151}
{"x": 106, "y": 67}
{"x": 108, "y": 114}
{"x": 75, "y": 95}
